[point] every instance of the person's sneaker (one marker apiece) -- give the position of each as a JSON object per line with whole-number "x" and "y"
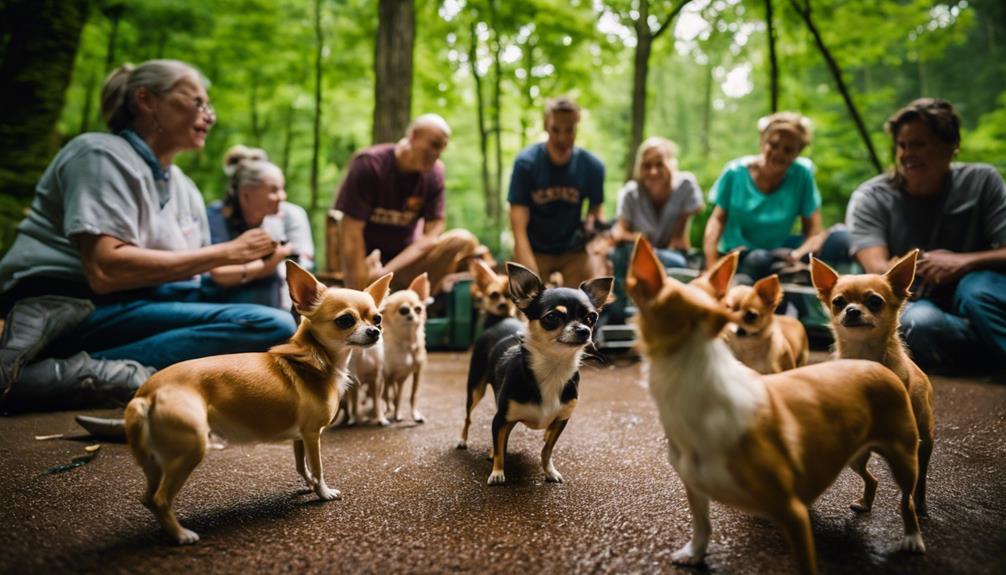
{"x": 108, "y": 429}
{"x": 77, "y": 381}
{"x": 32, "y": 324}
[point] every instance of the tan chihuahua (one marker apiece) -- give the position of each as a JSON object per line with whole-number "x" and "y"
{"x": 771, "y": 444}
{"x": 366, "y": 367}
{"x": 491, "y": 292}
{"x": 290, "y": 392}
{"x": 864, "y": 316}
{"x": 405, "y": 343}
{"x": 764, "y": 341}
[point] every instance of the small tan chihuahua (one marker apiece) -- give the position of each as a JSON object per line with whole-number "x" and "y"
{"x": 290, "y": 392}
{"x": 864, "y": 316}
{"x": 764, "y": 341}
{"x": 490, "y": 291}
{"x": 769, "y": 444}
{"x": 405, "y": 343}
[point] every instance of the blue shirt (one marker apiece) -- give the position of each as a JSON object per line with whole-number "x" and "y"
{"x": 555, "y": 196}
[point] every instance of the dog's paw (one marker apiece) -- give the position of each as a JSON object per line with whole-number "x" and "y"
{"x": 496, "y": 478}
{"x": 553, "y": 476}
{"x": 861, "y": 507}
{"x": 186, "y": 537}
{"x": 350, "y": 421}
{"x": 383, "y": 421}
{"x": 912, "y": 544}
{"x": 687, "y": 556}
{"x": 327, "y": 494}
{"x": 418, "y": 417}
{"x": 462, "y": 444}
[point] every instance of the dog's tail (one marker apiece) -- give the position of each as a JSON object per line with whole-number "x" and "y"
{"x": 138, "y": 428}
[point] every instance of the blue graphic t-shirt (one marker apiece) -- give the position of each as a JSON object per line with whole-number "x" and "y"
{"x": 555, "y": 196}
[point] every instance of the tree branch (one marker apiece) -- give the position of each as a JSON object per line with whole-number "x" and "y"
{"x": 670, "y": 17}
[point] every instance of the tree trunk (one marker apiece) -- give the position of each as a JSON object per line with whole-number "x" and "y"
{"x": 836, "y": 72}
{"x": 85, "y": 116}
{"x": 316, "y": 145}
{"x": 495, "y": 214}
{"x": 396, "y": 34}
{"x": 114, "y": 13}
{"x": 287, "y": 139}
{"x": 527, "y": 97}
{"x": 256, "y": 129}
{"x": 707, "y": 113}
{"x": 43, "y": 40}
{"x": 487, "y": 191}
{"x": 773, "y": 62}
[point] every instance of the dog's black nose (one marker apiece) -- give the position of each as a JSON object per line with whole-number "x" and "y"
{"x": 853, "y": 312}
{"x": 582, "y": 332}
{"x": 373, "y": 333}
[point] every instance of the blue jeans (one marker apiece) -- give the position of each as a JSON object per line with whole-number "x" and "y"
{"x": 619, "y": 257}
{"x": 758, "y": 263}
{"x": 974, "y": 333}
{"x": 173, "y": 326}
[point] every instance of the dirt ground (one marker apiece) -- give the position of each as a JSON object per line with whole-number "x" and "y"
{"x": 412, "y": 503}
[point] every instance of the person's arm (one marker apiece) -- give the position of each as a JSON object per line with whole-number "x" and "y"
{"x": 622, "y": 231}
{"x": 680, "y": 237}
{"x": 353, "y": 252}
{"x": 814, "y": 235}
{"x": 112, "y": 265}
{"x": 522, "y": 252}
{"x": 714, "y": 231}
{"x": 874, "y": 259}
{"x": 233, "y": 275}
{"x": 417, "y": 249}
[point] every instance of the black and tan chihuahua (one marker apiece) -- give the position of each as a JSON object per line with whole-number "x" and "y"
{"x": 535, "y": 375}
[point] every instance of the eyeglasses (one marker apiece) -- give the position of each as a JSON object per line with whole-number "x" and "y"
{"x": 205, "y": 108}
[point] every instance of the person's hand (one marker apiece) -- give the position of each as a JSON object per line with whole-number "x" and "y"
{"x": 940, "y": 267}
{"x": 277, "y": 257}
{"x": 374, "y": 267}
{"x": 785, "y": 254}
{"x": 251, "y": 245}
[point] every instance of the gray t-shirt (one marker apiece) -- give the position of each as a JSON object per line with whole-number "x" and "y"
{"x": 98, "y": 184}
{"x": 968, "y": 216}
{"x": 635, "y": 207}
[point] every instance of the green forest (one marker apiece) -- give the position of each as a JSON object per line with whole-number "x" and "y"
{"x": 313, "y": 80}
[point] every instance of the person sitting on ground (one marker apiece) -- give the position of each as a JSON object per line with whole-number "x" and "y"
{"x": 757, "y": 198}
{"x": 550, "y": 182}
{"x": 387, "y": 191}
{"x": 115, "y": 241}
{"x": 256, "y": 198}
{"x": 658, "y": 202}
{"x": 956, "y": 214}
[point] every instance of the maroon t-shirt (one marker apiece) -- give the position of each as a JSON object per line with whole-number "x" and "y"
{"x": 390, "y": 201}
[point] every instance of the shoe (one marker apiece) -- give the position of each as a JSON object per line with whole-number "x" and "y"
{"x": 102, "y": 428}
{"x": 77, "y": 381}
{"x": 31, "y": 325}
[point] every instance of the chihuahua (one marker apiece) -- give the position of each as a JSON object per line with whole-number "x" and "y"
{"x": 405, "y": 343}
{"x": 490, "y": 291}
{"x": 366, "y": 370}
{"x": 864, "y": 316}
{"x": 535, "y": 377}
{"x": 770, "y": 444}
{"x": 764, "y": 341}
{"x": 290, "y": 392}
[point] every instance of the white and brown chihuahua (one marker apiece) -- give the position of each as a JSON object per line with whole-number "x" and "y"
{"x": 405, "y": 344}
{"x": 490, "y": 291}
{"x": 762, "y": 340}
{"x": 864, "y": 313}
{"x": 770, "y": 444}
{"x": 290, "y": 392}
{"x": 366, "y": 369}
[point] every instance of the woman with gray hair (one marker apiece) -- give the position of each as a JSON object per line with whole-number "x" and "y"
{"x": 115, "y": 241}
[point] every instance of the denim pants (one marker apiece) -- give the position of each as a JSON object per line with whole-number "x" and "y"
{"x": 973, "y": 332}
{"x": 757, "y": 263}
{"x": 619, "y": 257}
{"x": 173, "y": 325}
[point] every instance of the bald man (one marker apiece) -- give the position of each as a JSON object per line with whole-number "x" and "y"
{"x": 388, "y": 190}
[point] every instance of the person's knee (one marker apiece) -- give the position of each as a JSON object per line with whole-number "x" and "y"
{"x": 672, "y": 259}
{"x": 459, "y": 241}
{"x": 922, "y": 324}
{"x": 271, "y": 324}
{"x": 976, "y": 293}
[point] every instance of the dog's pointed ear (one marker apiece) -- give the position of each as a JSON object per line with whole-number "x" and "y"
{"x": 482, "y": 273}
{"x": 379, "y": 289}
{"x": 902, "y": 274}
{"x": 525, "y": 285}
{"x": 305, "y": 290}
{"x": 421, "y": 285}
{"x": 823, "y": 278}
{"x": 721, "y": 274}
{"x": 598, "y": 290}
{"x": 646, "y": 274}
{"x": 769, "y": 291}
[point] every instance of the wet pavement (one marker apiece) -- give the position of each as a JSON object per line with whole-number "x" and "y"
{"x": 412, "y": 503}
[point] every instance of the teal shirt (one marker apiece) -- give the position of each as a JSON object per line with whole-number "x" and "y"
{"x": 763, "y": 221}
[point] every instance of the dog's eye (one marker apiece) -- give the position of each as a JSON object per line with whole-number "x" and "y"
{"x": 418, "y": 309}
{"x": 874, "y": 302}
{"x": 551, "y": 320}
{"x": 495, "y": 296}
{"x": 591, "y": 318}
{"x": 838, "y": 303}
{"x": 377, "y": 319}
{"x": 404, "y": 310}
{"x": 345, "y": 321}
